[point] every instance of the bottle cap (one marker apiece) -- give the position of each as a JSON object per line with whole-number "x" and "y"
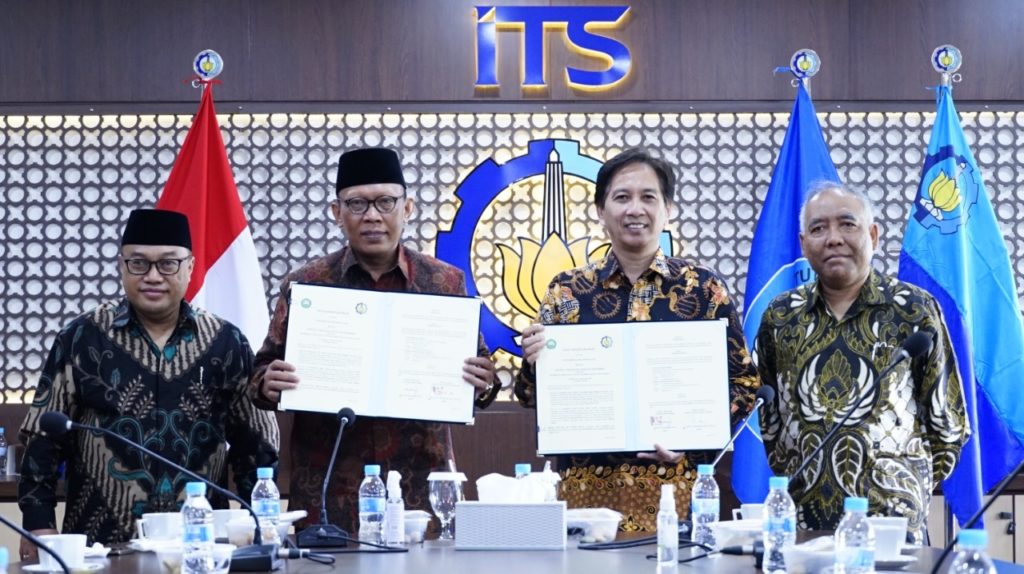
{"x": 195, "y": 489}
{"x": 973, "y": 538}
{"x": 705, "y": 469}
{"x": 668, "y": 497}
{"x": 264, "y": 472}
{"x": 1, "y": 430}
{"x": 523, "y": 468}
{"x": 855, "y": 504}
{"x": 371, "y": 470}
{"x": 779, "y": 482}
{"x": 394, "y": 484}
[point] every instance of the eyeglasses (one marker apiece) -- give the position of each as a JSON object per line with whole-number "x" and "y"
{"x": 383, "y": 204}
{"x": 163, "y": 266}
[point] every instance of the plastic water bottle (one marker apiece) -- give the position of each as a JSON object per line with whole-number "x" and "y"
{"x": 523, "y": 470}
{"x": 197, "y": 539}
{"x": 971, "y": 559}
{"x": 5, "y": 559}
{"x": 855, "y": 539}
{"x": 371, "y": 505}
{"x": 266, "y": 501}
{"x": 668, "y": 527}
{"x": 3, "y": 452}
{"x": 394, "y": 513}
{"x": 704, "y": 506}
{"x": 779, "y": 524}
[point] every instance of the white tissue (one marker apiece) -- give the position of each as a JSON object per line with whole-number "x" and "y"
{"x": 499, "y": 489}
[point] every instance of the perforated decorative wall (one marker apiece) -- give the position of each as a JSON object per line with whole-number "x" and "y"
{"x": 68, "y": 182}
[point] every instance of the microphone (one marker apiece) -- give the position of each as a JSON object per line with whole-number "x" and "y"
{"x": 992, "y": 496}
{"x": 745, "y": 549}
{"x": 917, "y": 345}
{"x": 325, "y": 533}
{"x": 763, "y": 395}
{"x": 37, "y": 542}
{"x": 257, "y": 557}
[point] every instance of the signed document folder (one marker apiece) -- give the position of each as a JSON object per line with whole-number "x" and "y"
{"x": 382, "y": 354}
{"x": 622, "y": 387}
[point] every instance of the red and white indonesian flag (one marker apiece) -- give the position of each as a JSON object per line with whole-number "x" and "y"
{"x": 226, "y": 280}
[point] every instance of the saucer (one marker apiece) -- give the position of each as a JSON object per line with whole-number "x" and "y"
{"x": 87, "y": 567}
{"x": 895, "y": 563}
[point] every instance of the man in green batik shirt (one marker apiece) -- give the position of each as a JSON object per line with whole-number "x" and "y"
{"x": 822, "y": 347}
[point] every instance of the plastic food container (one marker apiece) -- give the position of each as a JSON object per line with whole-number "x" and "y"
{"x": 416, "y": 522}
{"x": 170, "y": 558}
{"x": 593, "y": 524}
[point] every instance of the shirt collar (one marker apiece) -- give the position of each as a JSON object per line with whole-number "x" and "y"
{"x": 873, "y": 292}
{"x": 610, "y": 267}
{"x": 124, "y": 314}
{"x": 348, "y": 260}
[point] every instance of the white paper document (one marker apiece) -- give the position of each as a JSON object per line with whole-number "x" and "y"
{"x": 622, "y": 387}
{"x": 382, "y": 354}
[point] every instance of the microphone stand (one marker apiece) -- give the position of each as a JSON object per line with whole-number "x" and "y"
{"x": 757, "y": 405}
{"x": 977, "y": 515}
{"x": 257, "y": 557}
{"x": 326, "y": 534}
{"x": 35, "y": 540}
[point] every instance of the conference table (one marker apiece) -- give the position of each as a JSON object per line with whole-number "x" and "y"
{"x": 437, "y": 557}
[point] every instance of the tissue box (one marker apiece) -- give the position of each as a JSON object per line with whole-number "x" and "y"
{"x": 513, "y": 526}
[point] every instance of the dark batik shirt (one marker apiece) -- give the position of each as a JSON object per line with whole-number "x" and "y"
{"x": 185, "y": 402}
{"x": 906, "y": 435}
{"x": 672, "y": 289}
{"x": 414, "y": 448}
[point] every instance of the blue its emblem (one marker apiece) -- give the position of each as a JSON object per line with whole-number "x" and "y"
{"x": 946, "y": 59}
{"x": 949, "y": 189}
{"x": 805, "y": 63}
{"x": 528, "y": 262}
{"x": 208, "y": 64}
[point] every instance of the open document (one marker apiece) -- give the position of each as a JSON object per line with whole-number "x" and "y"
{"x": 617, "y": 387}
{"x": 383, "y": 354}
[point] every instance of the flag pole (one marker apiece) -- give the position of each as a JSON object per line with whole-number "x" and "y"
{"x": 946, "y": 60}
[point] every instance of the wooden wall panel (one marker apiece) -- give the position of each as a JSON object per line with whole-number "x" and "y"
{"x": 120, "y": 51}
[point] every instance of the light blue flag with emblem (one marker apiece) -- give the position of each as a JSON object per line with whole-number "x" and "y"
{"x": 953, "y": 248}
{"x": 777, "y": 264}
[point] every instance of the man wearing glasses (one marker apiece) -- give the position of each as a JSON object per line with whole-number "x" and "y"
{"x": 371, "y": 207}
{"x": 155, "y": 370}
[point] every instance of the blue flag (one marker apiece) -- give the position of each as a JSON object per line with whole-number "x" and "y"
{"x": 952, "y": 247}
{"x": 777, "y": 264}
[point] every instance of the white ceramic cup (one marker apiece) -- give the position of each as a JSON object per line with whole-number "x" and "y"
{"x": 70, "y": 547}
{"x": 890, "y": 536}
{"x": 159, "y": 526}
{"x": 222, "y": 516}
{"x": 748, "y": 512}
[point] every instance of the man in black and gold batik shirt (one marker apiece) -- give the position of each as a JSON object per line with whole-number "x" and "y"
{"x": 154, "y": 370}
{"x": 636, "y": 282}
{"x": 824, "y": 345}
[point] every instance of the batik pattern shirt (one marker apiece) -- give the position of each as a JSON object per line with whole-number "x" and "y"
{"x": 672, "y": 289}
{"x": 413, "y": 448}
{"x": 187, "y": 402}
{"x": 906, "y": 434}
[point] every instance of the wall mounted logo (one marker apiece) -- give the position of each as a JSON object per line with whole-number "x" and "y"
{"x": 582, "y": 26}
{"x": 528, "y": 264}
